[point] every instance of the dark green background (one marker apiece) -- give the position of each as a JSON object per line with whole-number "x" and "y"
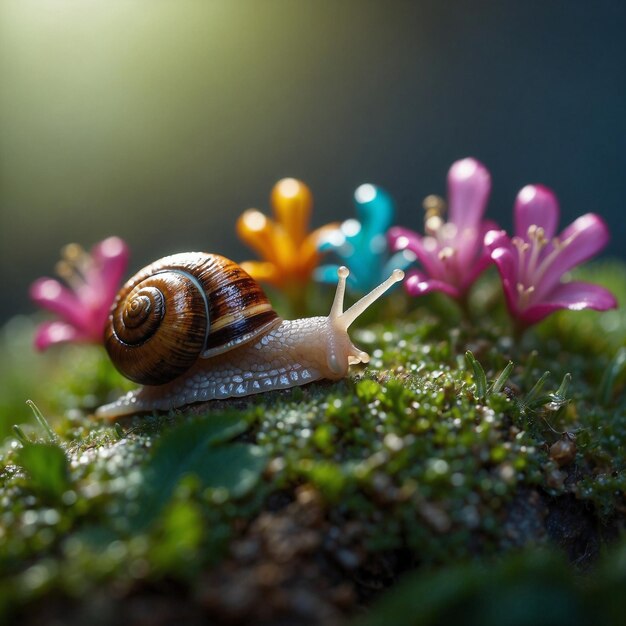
{"x": 160, "y": 121}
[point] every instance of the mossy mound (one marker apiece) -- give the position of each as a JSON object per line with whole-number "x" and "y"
{"x": 305, "y": 506}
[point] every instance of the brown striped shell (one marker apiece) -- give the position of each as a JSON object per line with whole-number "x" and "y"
{"x": 180, "y": 308}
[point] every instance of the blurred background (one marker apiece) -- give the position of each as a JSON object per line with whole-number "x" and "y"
{"x": 161, "y": 121}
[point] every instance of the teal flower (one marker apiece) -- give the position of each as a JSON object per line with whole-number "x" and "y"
{"x": 361, "y": 244}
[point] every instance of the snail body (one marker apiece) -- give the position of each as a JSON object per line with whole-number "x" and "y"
{"x": 195, "y": 327}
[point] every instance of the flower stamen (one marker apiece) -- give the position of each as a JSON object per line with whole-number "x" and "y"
{"x": 446, "y": 253}
{"x": 558, "y": 247}
{"x": 524, "y": 295}
{"x": 76, "y": 256}
{"x": 538, "y": 241}
{"x": 434, "y": 205}
{"x": 70, "y": 274}
{"x": 433, "y": 224}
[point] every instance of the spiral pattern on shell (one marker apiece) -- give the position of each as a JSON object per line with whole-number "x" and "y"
{"x": 179, "y": 309}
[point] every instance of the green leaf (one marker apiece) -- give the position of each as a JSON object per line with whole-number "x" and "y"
{"x": 235, "y": 467}
{"x": 197, "y": 448}
{"x": 21, "y": 436}
{"x": 531, "y": 397}
{"x": 540, "y": 401}
{"x": 480, "y": 380}
{"x": 47, "y": 468}
{"x": 561, "y": 392}
{"x": 179, "y": 536}
{"x": 501, "y": 380}
{"x": 42, "y": 421}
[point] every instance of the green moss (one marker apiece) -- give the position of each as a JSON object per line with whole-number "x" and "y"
{"x": 428, "y": 450}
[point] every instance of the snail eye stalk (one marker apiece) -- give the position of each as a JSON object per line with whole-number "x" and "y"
{"x": 346, "y": 319}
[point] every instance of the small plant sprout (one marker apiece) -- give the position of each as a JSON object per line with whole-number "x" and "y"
{"x": 42, "y": 421}
{"x": 119, "y": 431}
{"x": 534, "y": 399}
{"x": 480, "y": 380}
{"x": 482, "y": 390}
{"x": 554, "y": 402}
{"x": 499, "y": 383}
{"x": 20, "y": 435}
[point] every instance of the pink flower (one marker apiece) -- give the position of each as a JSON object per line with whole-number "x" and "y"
{"x": 532, "y": 263}
{"x": 83, "y": 307}
{"x": 451, "y": 253}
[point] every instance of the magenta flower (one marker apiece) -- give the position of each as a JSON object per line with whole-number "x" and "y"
{"x": 83, "y": 306}
{"x": 532, "y": 263}
{"x": 451, "y": 254}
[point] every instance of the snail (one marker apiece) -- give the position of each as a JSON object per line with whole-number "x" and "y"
{"x": 194, "y": 326}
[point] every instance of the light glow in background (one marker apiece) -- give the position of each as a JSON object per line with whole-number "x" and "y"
{"x": 161, "y": 121}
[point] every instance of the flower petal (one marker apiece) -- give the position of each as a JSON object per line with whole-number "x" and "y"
{"x": 418, "y": 284}
{"x": 332, "y": 241}
{"x": 51, "y": 295}
{"x": 262, "y": 271}
{"x": 506, "y": 262}
{"x": 474, "y": 258}
{"x": 469, "y": 185}
{"x": 111, "y": 258}
{"x": 580, "y": 241}
{"x": 292, "y": 202}
{"x": 258, "y": 231}
{"x": 574, "y": 296}
{"x": 583, "y": 238}
{"x": 398, "y": 261}
{"x": 326, "y": 274}
{"x": 374, "y": 209}
{"x": 476, "y": 269}
{"x": 309, "y": 253}
{"x": 404, "y": 239}
{"x": 509, "y": 263}
{"x": 497, "y": 239}
{"x": 536, "y": 205}
{"x": 50, "y": 333}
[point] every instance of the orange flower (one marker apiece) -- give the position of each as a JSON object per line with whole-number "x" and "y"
{"x": 289, "y": 253}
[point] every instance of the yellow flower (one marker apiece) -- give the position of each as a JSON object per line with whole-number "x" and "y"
{"x": 289, "y": 253}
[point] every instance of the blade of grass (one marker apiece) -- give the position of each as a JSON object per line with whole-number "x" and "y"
{"x": 21, "y": 436}
{"x": 561, "y": 392}
{"x": 480, "y": 380}
{"x": 42, "y": 421}
{"x": 501, "y": 380}
{"x": 530, "y": 400}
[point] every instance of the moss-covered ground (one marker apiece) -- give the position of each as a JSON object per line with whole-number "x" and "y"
{"x": 464, "y": 476}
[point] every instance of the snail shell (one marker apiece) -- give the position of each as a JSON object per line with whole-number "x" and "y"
{"x": 181, "y": 308}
